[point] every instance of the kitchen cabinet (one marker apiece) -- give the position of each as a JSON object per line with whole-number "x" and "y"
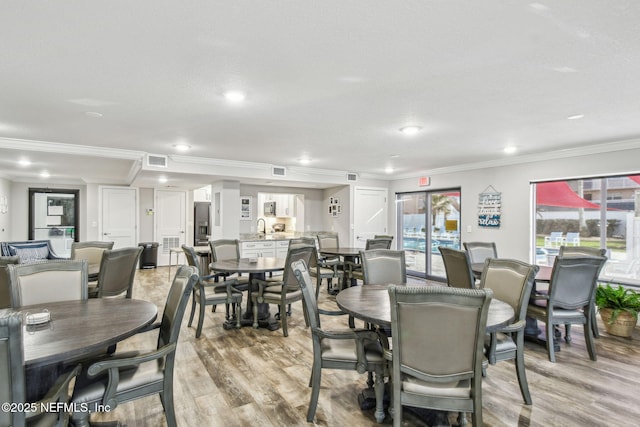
{"x": 282, "y": 247}
{"x": 258, "y": 249}
{"x": 285, "y": 205}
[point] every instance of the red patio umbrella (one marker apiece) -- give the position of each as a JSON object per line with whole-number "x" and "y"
{"x": 558, "y": 193}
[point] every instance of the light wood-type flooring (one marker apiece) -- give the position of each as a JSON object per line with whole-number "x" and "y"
{"x": 256, "y": 377}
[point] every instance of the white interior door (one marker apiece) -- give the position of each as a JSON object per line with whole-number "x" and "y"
{"x": 170, "y": 222}
{"x": 370, "y": 214}
{"x": 119, "y": 216}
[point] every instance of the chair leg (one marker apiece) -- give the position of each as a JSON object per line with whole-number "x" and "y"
{"x": 237, "y": 309}
{"x": 169, "y": 410}
{"x": 588, "y": 334}
{"x": 315, "y": 392}
{"x": 255, "y": 314}
{"x": 193, "y": 308}
{"x": 567, "y": 332}
{"x": 379, "y": 389}
{"x": 352, "y": 323}
{"x": 520, "y": 368}
{"x": 594, "y": 322}
{"x": 283, "y": 319}
{"x": 550, "y": 338}
{"x": 200, "y": 320}
{"x": 226, "y": 311}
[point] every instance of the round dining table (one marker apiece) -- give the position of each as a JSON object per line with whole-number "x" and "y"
{"x": 371, "y": 304}
{"x": 256, "y": 268}
{"x": 348, "y": 254}
{"x": 77, "y": 330}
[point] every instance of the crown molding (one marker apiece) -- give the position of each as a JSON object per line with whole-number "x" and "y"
{"x": 630, "y": 144}
{"x": 57, "y": 147}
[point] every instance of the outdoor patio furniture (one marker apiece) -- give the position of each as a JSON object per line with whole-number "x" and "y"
{"x": 554, "y": 239}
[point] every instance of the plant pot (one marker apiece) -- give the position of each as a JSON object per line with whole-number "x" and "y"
{"x": 623, "y": 325}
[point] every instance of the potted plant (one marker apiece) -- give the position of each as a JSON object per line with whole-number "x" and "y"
{"x": 618, "y": 308}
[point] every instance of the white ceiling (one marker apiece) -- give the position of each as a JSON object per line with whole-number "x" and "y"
{"x": 329, "y": 80}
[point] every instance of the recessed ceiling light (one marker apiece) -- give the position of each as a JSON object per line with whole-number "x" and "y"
{"x": 510, "y": 149}
{"x": 234, "y": 96}
{"x": 44, "y": 174}
{"x": 182, "y": 147}
{"x": 388, "y": 169}
{"x": 93, "y": 114}
{"x": 575, "y": 117}
{"x": 410, "y": 130}
{"x": 162, "y": 179}
{"x": 24, "y": 162}
{"x": 304, "y": 161}
{"x": 394, "y": 156}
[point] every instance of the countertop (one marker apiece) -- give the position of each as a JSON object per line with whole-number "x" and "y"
{"x": 259, "y": 237}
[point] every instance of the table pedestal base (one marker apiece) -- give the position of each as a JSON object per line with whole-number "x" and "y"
{"x": 264, "y": 319}
{"x": 537, "y": 335}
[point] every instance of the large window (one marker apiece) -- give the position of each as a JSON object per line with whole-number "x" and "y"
{"x": 427, "y": 220}
{"x": 596, "y": 212}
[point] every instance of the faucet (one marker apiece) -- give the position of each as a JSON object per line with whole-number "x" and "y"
{"x": 264, "y": 226}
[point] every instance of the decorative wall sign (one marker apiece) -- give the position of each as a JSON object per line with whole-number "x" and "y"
{"x": 245, "y": 208}
{"x": 489, "y": 208}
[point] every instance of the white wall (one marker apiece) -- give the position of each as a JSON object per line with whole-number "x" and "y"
{"x": 341, "y": 223}
{"x": 5, "y": 218}
{"x": 514, "y": 237}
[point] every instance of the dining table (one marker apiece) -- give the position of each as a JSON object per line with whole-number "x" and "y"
{"x": 256, "y": 268}
{"x": 348, "y": 254}
{"x": 76, "y": 330}
{"x": 371, "y": 304}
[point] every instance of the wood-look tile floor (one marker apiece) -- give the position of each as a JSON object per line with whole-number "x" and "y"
{"x": 252, "y": 377}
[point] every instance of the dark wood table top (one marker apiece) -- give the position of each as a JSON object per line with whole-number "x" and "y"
{"x": 244, "y": 265}
{"x": 81, "y": 328}
{"x": 543, "y": 274}
{"x": 342, "y": 251}
{"x": 371, "y": 304}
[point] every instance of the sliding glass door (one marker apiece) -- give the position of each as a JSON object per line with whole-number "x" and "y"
{"x": 426, "y": 220}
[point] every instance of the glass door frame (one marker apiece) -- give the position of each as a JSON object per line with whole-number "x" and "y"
{"x": 76, "y": 208}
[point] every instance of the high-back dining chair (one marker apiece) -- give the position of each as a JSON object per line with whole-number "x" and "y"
{"x": 570, "y": 298}
{"x": 479, "y": 251}
{"x": 48, "y": 281}
{"x": 437, "y": 349}
{"x": 457, "y": 268}
{"x": 92, "y": 252}
{"x": 228, "y": 249}
{"x": 358, "y": 350}
{"x": 116, "y": 380}
{"x": 511, "y": 281}
{"x": 283, "y": 292}
{"x": 383, "y": 266}
{"x": 13, "y": 386}
{"x": 354, "y": 269}
{"x": 5, "y": 289}
{"x": 330, "y": 240}
{"x": 117, "y": 272}
{"x": 583, "y": 251}
{"x": 209, "y": 291}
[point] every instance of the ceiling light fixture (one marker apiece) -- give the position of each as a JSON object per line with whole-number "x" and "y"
{"x": 410, "y": 130}
{"x": 388, "y": 169}
{"x": 94, "y": 114}
{"x": 162, "y": 179}
{"x": 44, "y": 174}
{"x": 575, "y": 117}
{"x": 305, "y": 161}
{"x": 24, "y": 163}
{"x": 234, "y": 96}
{"x": 510, "y": 149}
{"x": 182, "y": 147}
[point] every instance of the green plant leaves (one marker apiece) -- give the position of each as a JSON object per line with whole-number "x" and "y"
{"x": 618, "y": 299}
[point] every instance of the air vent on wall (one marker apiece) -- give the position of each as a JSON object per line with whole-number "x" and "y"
{"x": 157, "y": 160}
{"x": 353, "y": 177}
{"x": 278, "y": 171}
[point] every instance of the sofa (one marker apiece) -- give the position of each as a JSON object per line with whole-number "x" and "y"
{"x": 29, "y": 250}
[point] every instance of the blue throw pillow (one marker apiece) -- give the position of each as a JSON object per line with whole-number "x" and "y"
{"x": 30, "y": 252}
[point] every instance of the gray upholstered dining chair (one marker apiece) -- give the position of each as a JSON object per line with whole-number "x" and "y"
{"x": 282, "y": 292}
{"x": 208, "y": 291}
{"x": 13, "y": 381}
{"x": 583, "y": 251}
{"x": 354, "y": 270}
{"x": 117, "y": 273}
{"x": 48, "y": 281}
{"x": 315, "y": 269}
{"x": 479, "y": 251}
{"x": 5, "y": 289}
{"x": 92, "y": 252}
{"x": 383, "y": 267}
{"x": 437, "y": 349}
{"x": 224, "y": 249}
{"x": 358, "y": 350}
{"x": 457, "y": 268}
{"x": 330, "y": 240}
{"x": 118, "y": 379}
{"x": 569, "y": 299}
{"x": 511, "y": 281}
